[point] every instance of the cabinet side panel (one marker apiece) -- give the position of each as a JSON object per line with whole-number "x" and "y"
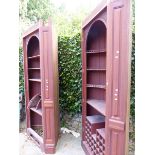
{"x": 84, "y": 105}
{"x": 26, "y": 82}
{"x": 49, "y": 72}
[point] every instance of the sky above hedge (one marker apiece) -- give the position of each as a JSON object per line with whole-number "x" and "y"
{"x": 72, "y": 5}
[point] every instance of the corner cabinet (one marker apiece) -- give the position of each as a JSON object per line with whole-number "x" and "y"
{"x": 41, "y": 85}
{"x": 106, "y": 79}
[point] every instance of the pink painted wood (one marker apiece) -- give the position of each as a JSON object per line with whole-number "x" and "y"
{"x": 41, "y": 76}
{"x": 118, "y": 76}
{"x": 106, "y": 29}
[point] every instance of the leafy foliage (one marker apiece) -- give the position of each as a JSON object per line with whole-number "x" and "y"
{"x": 70, "y": 73}
{"x": 38, "y": 9}
{"x": 68, "y": 24}
{"x": 21, "y": 72}
{"x": 132, "y": 106}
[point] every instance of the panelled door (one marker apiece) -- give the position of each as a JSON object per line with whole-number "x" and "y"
{"x": 118, "y": 76}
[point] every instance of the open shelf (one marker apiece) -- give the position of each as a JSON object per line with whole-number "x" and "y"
{"x": 38, "y": 111}
{"x": 35, "y": 63}
{"x": 34, "y": 57}
{"x": 98, "y": 105}
{"x": 96, "y": 51}
{"x": 36, "y": 80}
{"x": 34, "y": 68}
{"x": 34, "y": 73}
{"x": 96, "y": 69}
{"x": 94, "y": 119}
{"x": 97, "y": 61}
{"x": 96, "y": 86}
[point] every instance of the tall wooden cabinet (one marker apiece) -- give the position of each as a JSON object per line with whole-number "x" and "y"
{"x": 106, "y": 79}
{"x": 41, "y": 85}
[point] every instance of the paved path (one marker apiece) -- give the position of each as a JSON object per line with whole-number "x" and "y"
{"x": 67, "y": 145}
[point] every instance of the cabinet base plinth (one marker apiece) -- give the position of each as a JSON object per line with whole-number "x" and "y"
{"x": 49, "y": 149}
{"x": 46, "y": 148}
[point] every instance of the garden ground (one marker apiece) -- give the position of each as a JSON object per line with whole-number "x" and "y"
{"x": 67, "y": 144}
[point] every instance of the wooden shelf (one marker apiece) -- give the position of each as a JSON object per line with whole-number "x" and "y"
{"x": 36, "y": 80}
{"x": 98, "y": 105}
{"x": 96, "y": 86}
{"x": 34, "y": 68}
{"x": 95, "y": 119}
{"x": 95, "y": 51}
{"x": 96, "y": 69}
{"x": 34, "y": 57}
{"x": 38, "y": 111}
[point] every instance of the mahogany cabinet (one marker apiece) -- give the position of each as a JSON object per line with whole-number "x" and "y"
{"x": 106, "y": 79}
{"x": 41, "y": 85}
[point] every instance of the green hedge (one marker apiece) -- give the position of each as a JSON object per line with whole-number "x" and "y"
{"x": 132, "y": 95}
{"x": 70, "y": 77}
{"x": 21, "y": 71}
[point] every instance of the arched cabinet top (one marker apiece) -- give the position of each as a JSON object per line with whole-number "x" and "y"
{"x": 101, "y": 17}
{"x": 33, "y": 46}
{"x": 98, "y": 27}
{"x": 99, "y": 13}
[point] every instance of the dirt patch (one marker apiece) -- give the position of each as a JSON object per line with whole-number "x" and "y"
{"x": 131, "y": 137}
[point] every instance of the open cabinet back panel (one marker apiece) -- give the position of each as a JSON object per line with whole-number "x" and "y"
{"x": 96, "y": 93}
{"x": 41, "y": 85}
{"x": 91, "y": 111}
{"x": 96, "y": 77}
{"x": 34, "y": 63}
{"x": 34, "y": 73}
{"x": 36, "y": 120}
{"x": 97, "y": 61}
{"x": 33, "y": 47}
{"x": 96, "y": 39}
{"x": 34, "y": 88}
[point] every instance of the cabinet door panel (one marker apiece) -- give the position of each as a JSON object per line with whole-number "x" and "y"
{"x": 118, "y": 76}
